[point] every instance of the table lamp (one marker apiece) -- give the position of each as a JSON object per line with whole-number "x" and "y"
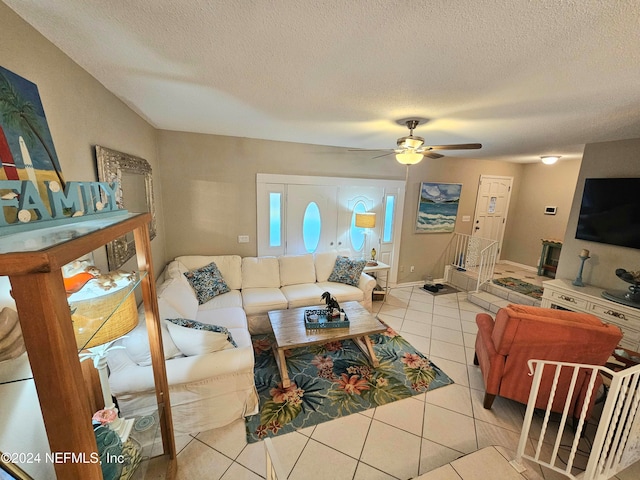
{"x": 367, "y": 221}
{"x": 117, "y": 313}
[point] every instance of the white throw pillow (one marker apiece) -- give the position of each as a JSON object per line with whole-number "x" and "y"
{"x": 192, "y": 341}
{"x": 296, "y": 269}
{"x": 260, "y": 272}
{"x": 136, "y": 343}
{"x": 180, "y": 296}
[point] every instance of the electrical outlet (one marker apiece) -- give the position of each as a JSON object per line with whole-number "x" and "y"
{"x": 243, "y": 238}
{"x": 402, "y": 268}
{"x": 413, "y": 269}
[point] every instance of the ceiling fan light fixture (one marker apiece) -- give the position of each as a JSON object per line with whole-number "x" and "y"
{"x": 550, "y": 159}
{"x": 409, "y": 158}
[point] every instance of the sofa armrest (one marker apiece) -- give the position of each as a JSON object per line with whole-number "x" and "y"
{"x": 490, "y": 361}
{"x": 367, "y": 283}
{"x": 128, "y": 377}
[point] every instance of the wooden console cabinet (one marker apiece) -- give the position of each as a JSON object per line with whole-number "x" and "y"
{"x": 33, "y": 263}
{"x": 588, "y": 299}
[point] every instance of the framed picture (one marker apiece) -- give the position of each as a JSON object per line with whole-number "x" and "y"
{"x": 438, "y": 207}
{"x": 26, "y": 146}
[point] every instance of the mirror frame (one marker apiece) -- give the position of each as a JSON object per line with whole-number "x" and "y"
{"x": 111, "y": 166}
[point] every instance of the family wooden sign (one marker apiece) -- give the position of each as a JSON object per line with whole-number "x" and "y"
{"x": 23, "y": 205}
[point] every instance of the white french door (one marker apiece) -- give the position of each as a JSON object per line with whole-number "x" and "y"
{"x": 301, "y": 214}
{"x": 311, "y": 219}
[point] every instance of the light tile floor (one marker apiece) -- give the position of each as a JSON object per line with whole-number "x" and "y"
{"x": 400, "y": 440}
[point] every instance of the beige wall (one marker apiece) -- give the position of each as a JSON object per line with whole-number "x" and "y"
{"x": 209, "y": 185}
{"x": 600, "y": 160}
{"x": 540, "y": 185}
{"x": 424, "y": 250}
{"x": 80, "y": 111}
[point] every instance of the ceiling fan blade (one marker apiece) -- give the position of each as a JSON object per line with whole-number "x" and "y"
{"x": 383, "y": 155}
{"x": 433, "y": 155}
{"x": 460, "y": 146}
{"x": 371, "y": 150}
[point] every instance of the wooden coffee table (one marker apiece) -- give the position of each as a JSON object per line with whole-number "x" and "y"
{"x": 290, "y": 332}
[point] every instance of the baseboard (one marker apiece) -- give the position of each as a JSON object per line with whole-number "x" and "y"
{"x": 520, "y": 265}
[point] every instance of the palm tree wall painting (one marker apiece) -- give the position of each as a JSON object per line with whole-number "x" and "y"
{"x": 25, "y": 140}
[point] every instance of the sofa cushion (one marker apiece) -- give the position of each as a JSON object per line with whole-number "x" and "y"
{"x": 136, "y": 343}
{"x": 231, "y": 317}
{"x": 260, "y": 272}
{"x": 303, "y": 295}
{"x": 229, "y": 266}
{"x": 261, "y": 300}
{"x": 207, "y": 282}
{"x": 347, "y": 270}
{"x": 325, "y": 262}
{"x": 197, "y": 338}
{"x": 174, "y": 269}
{"x": 177, "y": 293}
{"x": 342, "y": 292}
{"x": 296, "y": 269}
{"x": 229, "y": 299}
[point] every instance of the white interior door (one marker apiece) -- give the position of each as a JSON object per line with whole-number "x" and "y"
{"x": 492, "y": 205}
{"x": 311, "y": 215}
{"x": 364, "y": 199}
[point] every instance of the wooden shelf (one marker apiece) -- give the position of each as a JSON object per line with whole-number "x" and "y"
{"x": 33, "y": 262}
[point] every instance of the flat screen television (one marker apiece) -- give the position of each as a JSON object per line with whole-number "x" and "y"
{"x": 610, "y": 211}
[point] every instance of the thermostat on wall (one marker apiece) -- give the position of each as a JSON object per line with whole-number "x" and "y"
{"x": 550, "y": 210}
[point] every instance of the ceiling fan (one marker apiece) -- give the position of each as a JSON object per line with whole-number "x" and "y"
{"x": 411, "y": 149}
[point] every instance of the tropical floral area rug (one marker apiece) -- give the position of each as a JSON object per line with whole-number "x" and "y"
{"x": 520, "y": 286}
{"x": 333, "y": 380}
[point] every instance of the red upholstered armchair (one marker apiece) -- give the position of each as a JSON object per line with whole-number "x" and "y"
{"x": 520, "y": 333}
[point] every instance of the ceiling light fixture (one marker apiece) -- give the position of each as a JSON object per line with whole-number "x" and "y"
{"x": 409, "y": 158}
{"x": 550, "y": 159}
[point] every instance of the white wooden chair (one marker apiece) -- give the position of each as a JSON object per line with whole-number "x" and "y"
{"x": 274, "y": 467}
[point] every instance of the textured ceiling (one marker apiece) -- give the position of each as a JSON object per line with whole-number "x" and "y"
{"x": 524, "y": 78}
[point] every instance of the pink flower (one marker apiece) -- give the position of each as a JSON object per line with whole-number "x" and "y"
{"x": 353, "y": 384}
{"x": 413, "y": 360}
{"x": 390, "y": 332}
{"x": 261, "y": 345}
{"x": 261, "y": 431}
{"x": 274, "y": 426}
{"x": 322, "y": 362}
{"x": 333, "y": 346}
{"x": 292, "y": 394}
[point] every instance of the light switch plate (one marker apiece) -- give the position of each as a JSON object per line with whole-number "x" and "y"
{"x": 243, "y": 238}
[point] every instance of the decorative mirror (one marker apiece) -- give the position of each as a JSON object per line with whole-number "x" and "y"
{"x": 134, "y": 193}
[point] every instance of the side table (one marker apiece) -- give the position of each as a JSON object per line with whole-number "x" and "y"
{"x": 374, "y": 269}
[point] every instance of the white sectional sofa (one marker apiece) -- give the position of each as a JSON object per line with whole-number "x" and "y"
{"x": 210, "y": 389}
{"x": 260, "y": 284}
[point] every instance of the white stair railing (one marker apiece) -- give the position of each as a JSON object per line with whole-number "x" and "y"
{"x": 616, "y": 443}
{"x": 475, "y": 255}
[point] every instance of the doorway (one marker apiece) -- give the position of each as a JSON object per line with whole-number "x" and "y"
{"x": 492, "y": 205}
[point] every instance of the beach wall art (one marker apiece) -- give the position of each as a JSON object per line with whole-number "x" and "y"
{"x": 438, "y": 207}
{"x": 26, "y": 146}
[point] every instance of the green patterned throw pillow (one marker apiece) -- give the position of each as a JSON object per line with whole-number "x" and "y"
{"x": 207, "y": 282}
{"x": 347, "y": 270}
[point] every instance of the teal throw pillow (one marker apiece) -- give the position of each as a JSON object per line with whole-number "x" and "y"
{"x": 207, "y": 282}
{"x": 347, "y": 270}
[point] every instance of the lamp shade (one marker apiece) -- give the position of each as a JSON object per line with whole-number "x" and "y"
{"x": 409, "y": 158}
{"x": 366, "y": 220}
{"x": 104, "y": 317}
